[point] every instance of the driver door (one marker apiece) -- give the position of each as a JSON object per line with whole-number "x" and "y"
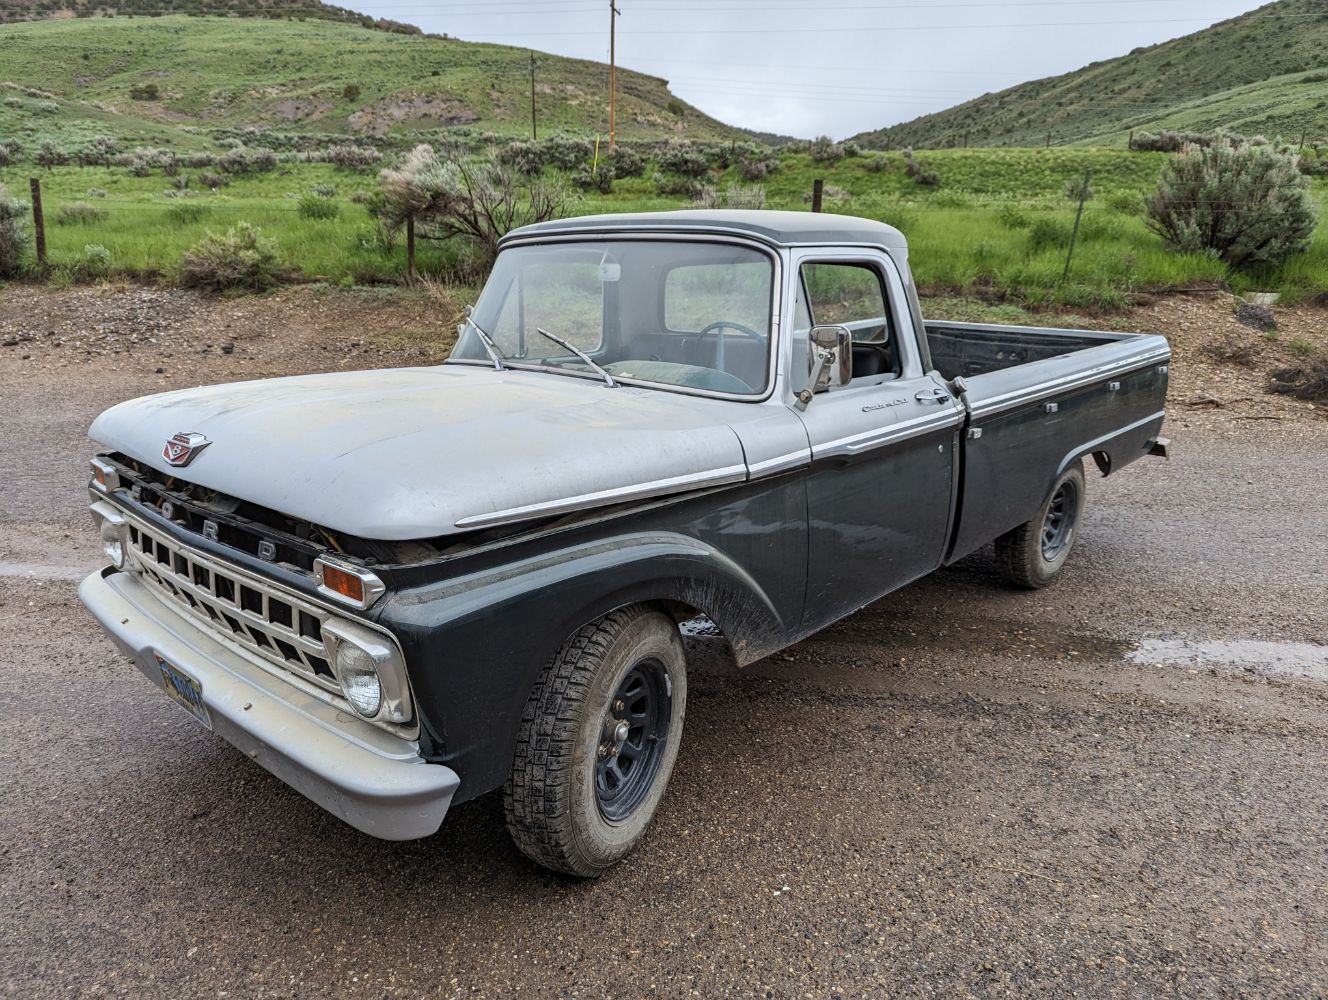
{"x": 881, "y": 483}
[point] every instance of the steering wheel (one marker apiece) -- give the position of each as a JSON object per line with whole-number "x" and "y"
{"x": 718, "y": 327}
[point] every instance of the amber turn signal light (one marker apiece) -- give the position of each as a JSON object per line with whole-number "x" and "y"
{"x": 350, "y": 585}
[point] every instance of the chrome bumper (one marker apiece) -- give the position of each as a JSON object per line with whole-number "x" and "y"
{"x": 375, "y": 781}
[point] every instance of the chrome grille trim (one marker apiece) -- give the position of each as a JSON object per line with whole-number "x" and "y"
{"x": 276, "y": 627}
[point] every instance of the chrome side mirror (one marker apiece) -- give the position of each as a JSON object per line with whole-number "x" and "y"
{"x": 832, "y": 361}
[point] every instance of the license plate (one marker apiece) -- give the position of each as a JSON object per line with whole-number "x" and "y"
{"x": 184, "y": 691}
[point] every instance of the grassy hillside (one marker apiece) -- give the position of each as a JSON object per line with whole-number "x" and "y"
{"x": 1263, "y": 72}
{"x": 309, "y": 76}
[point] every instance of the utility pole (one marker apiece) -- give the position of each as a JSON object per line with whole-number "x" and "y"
{"x": 613, "y": 75}
{"x": 534, "y": 130}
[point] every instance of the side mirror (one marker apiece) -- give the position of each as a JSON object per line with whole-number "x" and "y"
{"x": 832, "y": 361}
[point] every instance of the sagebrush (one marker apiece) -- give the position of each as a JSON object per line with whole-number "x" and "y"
{"x": 243, "y": 258}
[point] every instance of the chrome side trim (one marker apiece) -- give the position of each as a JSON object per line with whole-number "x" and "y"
{"x": 781, "y": 463}
{"x": 644, "y": 491}
{"x": 855, "y": 444}
{"x": 1041, "y": 390}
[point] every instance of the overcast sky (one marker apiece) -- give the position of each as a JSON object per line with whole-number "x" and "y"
{"x": 840, "y": 66}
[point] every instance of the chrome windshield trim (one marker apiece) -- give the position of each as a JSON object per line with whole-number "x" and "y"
{"x": 643, "y": 491}
{"x": 672, "y": 236}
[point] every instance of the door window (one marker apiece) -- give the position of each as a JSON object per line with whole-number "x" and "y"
{"x": 853, "y": 295}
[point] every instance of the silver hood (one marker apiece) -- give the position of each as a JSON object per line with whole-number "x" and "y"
{"x": 421, "y": 452}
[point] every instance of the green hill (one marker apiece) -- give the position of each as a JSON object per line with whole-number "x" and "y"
{"x": 169, "y": 79}
{"x": 1263, "y": 72}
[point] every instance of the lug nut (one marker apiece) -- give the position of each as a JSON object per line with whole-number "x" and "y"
{"x": 619, "y": 705}
{"x": 602, "y": 751}
{"x": 613, "y": 751}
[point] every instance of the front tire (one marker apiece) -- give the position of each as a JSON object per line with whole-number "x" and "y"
{"x": 598, "y": 738}
{"x": 1031, "y": 555}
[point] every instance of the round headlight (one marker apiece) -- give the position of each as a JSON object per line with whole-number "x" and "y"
{"x": 358, "y": 674}
{"x": 112, "y": 544}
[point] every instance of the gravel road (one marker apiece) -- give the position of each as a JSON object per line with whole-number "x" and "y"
{"x": 960, "y": 791}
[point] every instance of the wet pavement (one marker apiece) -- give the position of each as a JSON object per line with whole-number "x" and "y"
{"x": 1117, "y": 787}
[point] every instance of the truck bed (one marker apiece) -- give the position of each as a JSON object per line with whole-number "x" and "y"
{"x": 1038, "y": 400}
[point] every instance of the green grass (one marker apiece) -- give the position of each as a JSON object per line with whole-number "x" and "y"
{"x": 1261, "y": 72}
{"x": 998, "y": 225}
{"x": 291, "y": 76}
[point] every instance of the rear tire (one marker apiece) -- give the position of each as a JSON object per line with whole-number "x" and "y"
{"x": 598, "y": 738}
{"x": 1032, "y": 554}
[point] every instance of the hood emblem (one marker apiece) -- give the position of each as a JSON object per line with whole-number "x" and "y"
{"x": 184, "y": 447}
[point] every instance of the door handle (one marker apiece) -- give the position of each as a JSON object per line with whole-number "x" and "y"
{"x": 932, "y": 395}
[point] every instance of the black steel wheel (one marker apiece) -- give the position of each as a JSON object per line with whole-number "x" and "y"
{"x": 597, "y": 742}
{"x": 1059, "y": 523}
{"x": 635, "y": 733}
{"x": 1033, "y": 554}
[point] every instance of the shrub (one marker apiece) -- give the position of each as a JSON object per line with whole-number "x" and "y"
{"x": 851, "y": 148}
{"x": 96, "y": 193}
{"x": 13, "y": 238}
{"x": 1014, "y": 218}
{"x": 7, "y": 154}
{"x": 524, "y": 157}
{"x": 352, "y": 157}
{"x": 920, "y": 174}
{"x": 79, "y": 213}
{"x": 350, "y": 92}
{"x": 676, "y": 107}
{"x": 324, "y": 190}
{"x": 626, "y": 162}
{"x": 674, "y": 186}
{"x": 877, "y": 164}
{"x": 452, "y": 197}
{"x": 50, "y": 155}
{"x": 599, "y": 179}
{"x": 565, "y": 153}
{"x": 1245, "y": 204}
{"x": 98, "y": 152}
{"x": 316, "y": 206}
{"x": 823, "y": 149}
{"x": 197, "y": 161}
{"x": 186, "y": 214}
{"x": 95, "y": 262}
{"x": 210, "y": 179}
{"x": 1125, "y": 202}
{"x": 242, "y": 259}
{"x": 681, "y": 157}
{"x": 145, "y": 92}
{"x": 1046, "y": 234}
{"x": 243, "y": 160}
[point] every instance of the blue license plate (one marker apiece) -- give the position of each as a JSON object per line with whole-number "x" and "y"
{"x": 183, "y": 690}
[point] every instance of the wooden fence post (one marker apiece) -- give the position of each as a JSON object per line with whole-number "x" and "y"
{"x": 410, "y": 249}
{"x": 818, "y": 191}
{"x": 38, "y": 221}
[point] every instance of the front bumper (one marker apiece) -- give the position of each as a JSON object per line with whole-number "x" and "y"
{"x": 375, "y": 781}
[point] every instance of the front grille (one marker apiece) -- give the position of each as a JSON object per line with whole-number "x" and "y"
{"x": 275, "y": 625}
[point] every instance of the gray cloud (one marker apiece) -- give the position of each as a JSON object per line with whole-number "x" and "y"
{"x": 839, "y": 67}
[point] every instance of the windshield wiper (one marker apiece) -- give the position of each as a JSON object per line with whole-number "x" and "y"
{"x": 490, "y": 348}
{"x": 608, "y": 379}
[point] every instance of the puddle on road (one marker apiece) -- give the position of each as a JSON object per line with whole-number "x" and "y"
{"x": 1248, "y": 656}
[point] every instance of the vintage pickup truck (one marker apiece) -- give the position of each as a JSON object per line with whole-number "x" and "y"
{"x": 397, "y": 590}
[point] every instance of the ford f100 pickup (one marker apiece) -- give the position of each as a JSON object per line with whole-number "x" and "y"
{"x": 399, "y": 590}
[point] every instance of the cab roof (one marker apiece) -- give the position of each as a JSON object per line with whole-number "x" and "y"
{"x": 785, "y": 229}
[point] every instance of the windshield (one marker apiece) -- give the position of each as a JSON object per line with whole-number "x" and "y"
{"x": 693, "y": 315}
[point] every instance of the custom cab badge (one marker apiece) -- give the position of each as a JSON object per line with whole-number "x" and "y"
{"x": 184, "y": 447}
